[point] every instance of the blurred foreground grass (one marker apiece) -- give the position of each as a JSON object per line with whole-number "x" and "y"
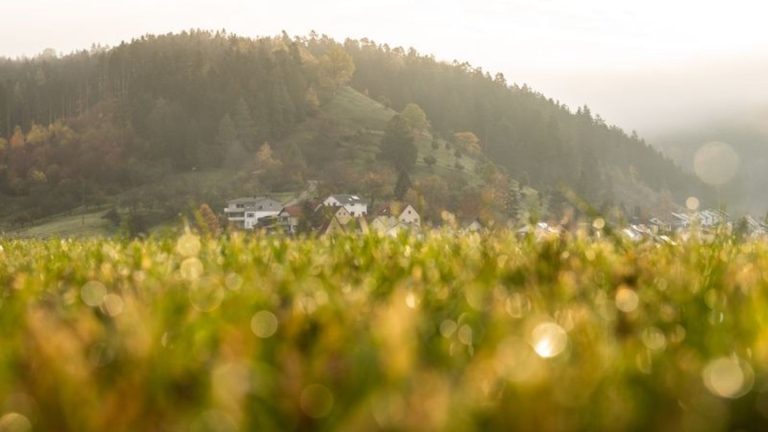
{"x": 475, "y": 332}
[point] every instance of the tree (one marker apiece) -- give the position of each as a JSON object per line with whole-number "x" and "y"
{"x": 17, "y": 139}
{"x": 377, "y": 183}
{"x": 468, "y": 142}
{"x": 312, "y": 100}
{"x": 397, "y": 145}
{"x": 402, "y": 185}
{"x": 322, "y": 150}
{"x": 207, "y": 220}
{"x": 436, "y": 195}
{"x": 513, "y": 201}
{"x": 293, "y": 166}
{"x": 415, "y": 117}
{"x": 244, "y": 124}
{"x": 430, "y": 160}
{"x": 435, "y": 143}
{"x": 134, "y": 224}
{"x": 336, "y": 67}
{"x": 265, "y": 160}
{"x": 231, "y": 146}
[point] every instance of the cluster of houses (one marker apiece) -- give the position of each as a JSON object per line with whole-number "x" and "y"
{"x": 342, "y": 213}
{"x": 346, "y": 213}
{"x": 705, "y": 221}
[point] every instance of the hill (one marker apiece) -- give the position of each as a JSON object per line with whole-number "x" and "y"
{"x": 136, "y": 124}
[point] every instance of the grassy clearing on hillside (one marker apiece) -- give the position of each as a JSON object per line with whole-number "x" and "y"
{"x": 355, "y": 110}
{"x": 359, "y": 124}
{"x": 446, "y": 332}
{"x": 79, "y": 225}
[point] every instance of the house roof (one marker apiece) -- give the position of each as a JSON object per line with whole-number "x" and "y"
{"x": 293, "y": 211}
{"x": 264, "y": 204}
{"x": 255, "y": 201}
{"x": 346, "y": 199}
{"x": 393, "y": 208}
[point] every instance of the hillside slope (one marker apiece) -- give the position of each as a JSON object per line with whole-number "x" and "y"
{"x": 354, "y": 122}
{"x": 267, "y": 115}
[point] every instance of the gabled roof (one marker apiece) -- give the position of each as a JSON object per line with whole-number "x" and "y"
{"x": 393, "y": 208}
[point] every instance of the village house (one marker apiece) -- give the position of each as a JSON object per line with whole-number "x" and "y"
{"x": 393, "y": 217}
{"x": 246, "y": 212}
{"x": 334, "y": 220}
{"x": 705, "y": 219}
{"x": 355, "y": 205}
{"x": 754, "y": 227}
{"x": 289, "y": 218}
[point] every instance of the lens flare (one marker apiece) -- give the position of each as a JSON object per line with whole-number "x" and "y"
{"x": 627, "y": 300}
{"x": 598, "y": 223}
{"x": 654, "y": 339}
{"x": 188, "y": 245}
{"x": 191, "y": 269}
{"x": 716, "y": 163}
{"x": 14, "y": 422}
{"x": 113, "y": 304}
{"x": 549, "y": 340}
{"x": 692, "y": 203}
{"x": 264, "y": 324}
{"x": 728, "y": 377}
{"x": 93, "y": 293}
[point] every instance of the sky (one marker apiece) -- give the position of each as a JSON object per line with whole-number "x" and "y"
{"x": 645, "y": 65}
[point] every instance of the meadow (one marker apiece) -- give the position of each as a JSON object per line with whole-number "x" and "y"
{"x": 438, "y": 332}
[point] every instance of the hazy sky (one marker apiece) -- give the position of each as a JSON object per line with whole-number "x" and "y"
{"x": 641, "y": 64}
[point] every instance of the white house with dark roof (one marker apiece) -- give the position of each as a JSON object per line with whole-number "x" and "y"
{"x": 356, "y": 206}
{"x": 246, "y": 212}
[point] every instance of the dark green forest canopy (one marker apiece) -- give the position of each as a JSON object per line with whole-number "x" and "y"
{"x": 200, "y": 100}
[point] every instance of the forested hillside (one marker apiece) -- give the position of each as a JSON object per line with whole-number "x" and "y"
{"x": 534, "y": 137}
{"x": 266, "y": 111}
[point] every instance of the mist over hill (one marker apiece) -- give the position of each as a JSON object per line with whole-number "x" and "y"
{"x": 271, "y": 113}
{"x": 743, "y": 136}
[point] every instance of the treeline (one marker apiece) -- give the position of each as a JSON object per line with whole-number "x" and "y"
{"x": 176, "y": 102}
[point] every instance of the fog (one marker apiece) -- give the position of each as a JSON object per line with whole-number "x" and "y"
{"x": 656, "y": 101}
{"x": 654, "y": 66}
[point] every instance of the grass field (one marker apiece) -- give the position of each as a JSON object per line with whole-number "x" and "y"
{"x": 444, "y": 332}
